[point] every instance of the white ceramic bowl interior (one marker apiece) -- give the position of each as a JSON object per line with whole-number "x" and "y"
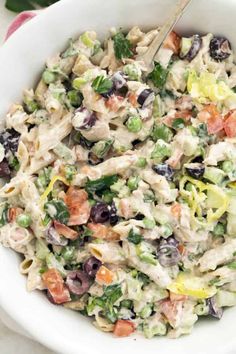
{"x": 21, "y": 60}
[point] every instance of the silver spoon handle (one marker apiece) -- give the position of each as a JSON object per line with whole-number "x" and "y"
{"x": 165, "y": 30}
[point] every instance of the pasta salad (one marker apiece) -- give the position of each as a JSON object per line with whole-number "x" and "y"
{"x": 119, "y": 184}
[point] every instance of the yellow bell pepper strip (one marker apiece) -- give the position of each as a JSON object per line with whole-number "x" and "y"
{"x": 187, "y": 284}
{"x": 51, "y": 185}
{"x": 195, "y": 198}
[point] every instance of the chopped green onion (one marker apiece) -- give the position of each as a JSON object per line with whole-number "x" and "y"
{"x": 142, "y": 162}
{"x": 133, "y": 182}
{"x": 149, "y": 223}
{"x": 75, "y": 98}
{"x": 49, "y": 77}
{"x": 134, "y": 237}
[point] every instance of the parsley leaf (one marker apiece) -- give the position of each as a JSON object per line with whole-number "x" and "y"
{"x": 102, "y": 84}
{"x": 122, "y": 46}
{"x": 100, "y": 184}
{"x": 23, "y": 5}
{"x": 159, "y": 75}
{"x": 58, "y": 210}
{"x": 134, "y": 237}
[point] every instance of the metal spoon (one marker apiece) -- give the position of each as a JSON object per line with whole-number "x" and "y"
{"x": 156, "y": 44}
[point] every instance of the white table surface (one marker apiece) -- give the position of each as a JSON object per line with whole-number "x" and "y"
{"x": 11, "y": 342}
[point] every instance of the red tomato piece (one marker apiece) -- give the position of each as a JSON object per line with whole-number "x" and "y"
{"x": 123, "y": 328}
{"x": 56, "y": 287}
{"x": 230, "y": 124}
{"x": 65, "y": 231}
{"x": 214, "y": 119}
{"x": 173, "y": 42}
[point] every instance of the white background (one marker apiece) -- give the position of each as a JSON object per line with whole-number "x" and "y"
{"x": 10, "y": 342}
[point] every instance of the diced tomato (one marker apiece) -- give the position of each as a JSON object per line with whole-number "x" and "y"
{"x": 13, "y": 213}
{"x": 177, "y": 297}
{"x": 123, "y": 328}
{"x": 65, "y": 231}
{"x": 173, "y": 42}
{"x": 212, "y": 117}
{"x": 104, "y": 276}
{"x": 230, "y": 124}
{"x": 79, "y": 208}
{"x": 172, "y": 311}
{"x": 114, "y": 103}
{"x": 132, "y": 97}
{"x": 56, "y": 287}
{"x": 176, "y": 210}
{"x": 103, "y": 232}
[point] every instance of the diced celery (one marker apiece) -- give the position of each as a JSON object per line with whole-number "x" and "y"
{"x": 231, "y": 225}
{"x": 62, "y": 151}
{"x": 146, "y": 311}
{"x": 214, "y": 174}
{"x": 162, "y": 132}
{"x": 160, "y": 151}
{"x": 52, "y": 262}
{"x": 157, "y": 329}
{"x": 228, "y": 166}
{"x": 41, "y": 249}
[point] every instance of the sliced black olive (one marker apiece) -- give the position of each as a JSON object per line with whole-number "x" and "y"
{"x": 164, "y": 170}
{"x": 120, "y": 86}
{"x": 100, "y": 213}
{"x": 91, "y": 266}
{"x": 220, "y": 48}
{"x": 194, "y": 49}
{"x": 4, "y": 169}
{"x": 83, "y": 119}
{"x": 195, "y": 170}
{"x": 167, "y": 252}
{"x": 171, "y": 240}
{"x": 113, "y": 214}
{"x": 214, "y": 309}
{"x": 9, "y": 138}
{"x": 77, "y": 282}
{"x": 53, "y": 237}
{"x": 146, "y": 97}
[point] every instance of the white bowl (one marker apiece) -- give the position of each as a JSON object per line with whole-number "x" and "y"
{"x": 21, "y": 60}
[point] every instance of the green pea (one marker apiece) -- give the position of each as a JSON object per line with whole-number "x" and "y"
{"x": 23, "y": 220}
{"x": 75, "y": 98}
{"x": 134, "y": 124}
{"x": 133, "y": 182}
{"x": 142, "y": 162}
{"x": 49, "y": 77}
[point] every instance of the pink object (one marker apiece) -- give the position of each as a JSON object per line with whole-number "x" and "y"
{"x": 20, "y": 19}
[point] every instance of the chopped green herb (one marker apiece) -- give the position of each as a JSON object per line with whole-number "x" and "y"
{"x": 4, "y": 216}
{"x": 134, "y": 237}
{"x": 178, "y": 123}
{"x": 122, "y": 46}
{"x": 100, "y": 184}
{"x": 14, "y": 163}
{"x": 24, "y": 5}
{"x": 58, "y": 210}
{"x": 102, "y": 84}
{"x": 158, "y": 76}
